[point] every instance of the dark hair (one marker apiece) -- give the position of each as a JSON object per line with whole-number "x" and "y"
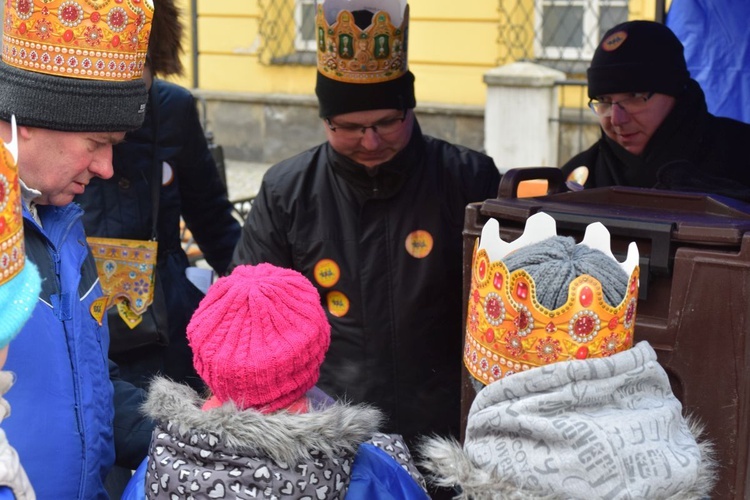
{"x": 165, "y": 41}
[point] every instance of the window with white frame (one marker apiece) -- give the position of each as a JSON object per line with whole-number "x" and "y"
{"x": 571, "y": 29}
{"x": 304, "y": 21}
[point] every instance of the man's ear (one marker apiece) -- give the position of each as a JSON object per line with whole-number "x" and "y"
{"x": 24, "y": 132}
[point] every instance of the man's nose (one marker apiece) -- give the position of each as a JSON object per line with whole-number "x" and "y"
{"x": 101, "y": 166}
{"x": 619, "y": 115}
{"x": 370, "y": 140}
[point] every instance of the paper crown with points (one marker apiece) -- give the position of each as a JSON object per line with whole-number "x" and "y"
{"x": 19, "y": 280}
{"x": 12, "y": 254}
{"x": 508, "y": 330}
{"x": 372, "y": 54}
{"x": 87, "y": 39}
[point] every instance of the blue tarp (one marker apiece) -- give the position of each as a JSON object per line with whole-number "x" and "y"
{"x": 716, "y": 37}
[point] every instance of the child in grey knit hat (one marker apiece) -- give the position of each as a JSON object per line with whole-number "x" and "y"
{"x": 599, "y": 427}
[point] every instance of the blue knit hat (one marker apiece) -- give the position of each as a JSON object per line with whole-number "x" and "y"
{"x": 19, "y": 280}
{"x": 17, "y": 300}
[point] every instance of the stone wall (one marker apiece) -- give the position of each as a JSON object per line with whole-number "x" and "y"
{"x": 269, "y": 128}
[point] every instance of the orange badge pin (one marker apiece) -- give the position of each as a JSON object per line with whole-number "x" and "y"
{"x": 338, "y": 304}
{"x": 419, "y": 244}
{"x": 327, "y": 273}
{"x": 613, "y": 41}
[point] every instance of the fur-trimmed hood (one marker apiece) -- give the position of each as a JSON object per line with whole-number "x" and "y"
{"x": 300, "y": 454}
{"x": 598, "y": 428}
{"x": 448, "y": 466}
{"x": 282, "y": 436}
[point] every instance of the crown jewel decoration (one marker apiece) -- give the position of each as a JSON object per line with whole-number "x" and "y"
{"x": 349, "y": 54}
{"x": 88, "y": 39}
{"x": 12, "y": 254}
{"x": 508, "y": 330}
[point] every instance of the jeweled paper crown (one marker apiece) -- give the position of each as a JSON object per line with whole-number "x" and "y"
{"x": 508, "y": 330}
{"x": 12, "y": 254}
{"x": 88, "y": 39}
{"x": 349, "y": 54}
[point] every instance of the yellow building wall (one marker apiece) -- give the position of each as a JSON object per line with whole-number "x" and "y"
{"x": 451, "y": 46}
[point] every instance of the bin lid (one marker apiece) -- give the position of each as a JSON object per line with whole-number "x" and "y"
{"x": 688, "y": 217}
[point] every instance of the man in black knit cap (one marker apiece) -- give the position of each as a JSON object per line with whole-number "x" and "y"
{"x": 656, "y": 129}
{"x": 373, "y": 217}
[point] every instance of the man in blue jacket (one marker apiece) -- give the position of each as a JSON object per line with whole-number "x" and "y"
{"x": 71, "y": 75}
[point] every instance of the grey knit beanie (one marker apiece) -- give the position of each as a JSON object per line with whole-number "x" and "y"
{"x": 75, "y": 66}
{"x": 555, "y": 262}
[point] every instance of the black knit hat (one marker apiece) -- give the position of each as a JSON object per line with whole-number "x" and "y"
{"x": 71, "y": 104}
{"x": 374, "y": 74}
{"x": 75, "y": 66}
{"x": 638, "y": 56}
{"x": 338, "y": 98}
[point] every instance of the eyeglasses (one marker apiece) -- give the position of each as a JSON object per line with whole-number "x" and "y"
{"x": 633, "y": 104}
{"x": 382, "y": 127}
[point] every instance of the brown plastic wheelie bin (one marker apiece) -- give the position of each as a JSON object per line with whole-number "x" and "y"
{"x": 694, "y": 301}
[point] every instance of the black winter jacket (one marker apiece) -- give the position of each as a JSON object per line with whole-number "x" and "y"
{"x": 385, "y": 253}
{"x": 120, "y": 207}
{"x": 692, "y": 150}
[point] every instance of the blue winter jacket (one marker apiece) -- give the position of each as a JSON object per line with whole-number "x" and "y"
{"x": 62, "y": 418}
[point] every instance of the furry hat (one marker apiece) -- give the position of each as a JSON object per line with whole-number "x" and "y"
{"x": 259, "y": 337}
{"x": 638, "y": 56}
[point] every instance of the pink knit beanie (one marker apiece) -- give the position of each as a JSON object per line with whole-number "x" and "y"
{"x": 259, "y": 337}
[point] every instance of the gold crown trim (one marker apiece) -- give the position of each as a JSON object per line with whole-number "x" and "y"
{"x": 12, "y": 249}
{"x": 68, "y": 38}
{"x": 349, "y": 54}
{"x": 508, "y": 330}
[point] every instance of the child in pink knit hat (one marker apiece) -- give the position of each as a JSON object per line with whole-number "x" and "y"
{"x": 258, "y": 339}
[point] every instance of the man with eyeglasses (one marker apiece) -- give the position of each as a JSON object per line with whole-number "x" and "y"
{"x": 374, "y": 218}
{"x": 656, "y": 129}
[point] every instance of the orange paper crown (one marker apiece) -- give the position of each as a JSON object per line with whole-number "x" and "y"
{"x": 89, "y": 39}
{"x": 349, "y": 54}
{"x": 12, "y": 255}
{"x": 508, "y": 330}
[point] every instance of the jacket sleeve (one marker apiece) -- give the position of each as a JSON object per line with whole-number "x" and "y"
{"x": 263, "y": 236}
{"x": 205, "y": 205}
{"x": 132, "y": 428}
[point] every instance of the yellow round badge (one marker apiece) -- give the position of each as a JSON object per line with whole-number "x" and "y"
{"x": 338, "y": 304}
{"x": 419, "y": 244}
{"x": 614, "y": 41}
{"x": 327, "y": 273}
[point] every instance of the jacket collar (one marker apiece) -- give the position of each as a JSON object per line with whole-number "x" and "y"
{"x": 336, "y": 430}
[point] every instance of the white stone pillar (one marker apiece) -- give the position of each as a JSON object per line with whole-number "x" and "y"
{"x": 520, "y": 117}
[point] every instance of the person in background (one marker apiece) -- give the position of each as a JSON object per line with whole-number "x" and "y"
{"x": 258, "y": 339}
{"x": 70, "y": 409}
{"x": 374, "y": 218}
{"x": 19, "y": 290}
{"x": 566, "y": 405}
{"x": 656, "y": 129}
{"x": 173, "y": 140}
